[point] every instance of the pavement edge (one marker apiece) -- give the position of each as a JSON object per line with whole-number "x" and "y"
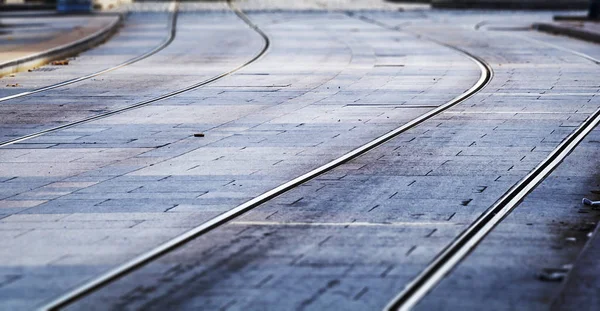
{"x": 576, "y": 277}
{"x": 581, "y": 34}
{"x": 66, "y": 50}
{"x": 510, "y": 4}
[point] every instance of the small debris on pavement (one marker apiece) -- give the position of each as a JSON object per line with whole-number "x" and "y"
{"x": 589, "y": 202}
{"x": 571, "y": 239}
{"x": 553, "y": 274}
{"x": 63, "y": 62}
{"x": 199, "y": 135}
{"x": 13, "y": 85}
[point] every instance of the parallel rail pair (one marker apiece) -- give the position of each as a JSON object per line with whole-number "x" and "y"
{"x": 444, "y": 262}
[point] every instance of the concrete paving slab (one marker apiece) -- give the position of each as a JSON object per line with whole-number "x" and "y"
{"x": 351, "y": 238}
{"x": 286, "y": 111}
{"x": 363, "y": 195}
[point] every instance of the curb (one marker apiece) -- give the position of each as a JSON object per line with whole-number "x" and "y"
{"x": 581, "y": 34}
{"x": 510, "y": 4}
{"x": 63, "y": 51}
{"x": 585, "y": 258}
{"x": 27, "y": 6}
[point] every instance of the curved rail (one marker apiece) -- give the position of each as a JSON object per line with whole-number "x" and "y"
{"x": 143, "y": 259}
{"x": 155, "y": 253}
{"x": 454, "y": 253}
{"x": 165, "y": 43}
{"x": 155, "y": 99}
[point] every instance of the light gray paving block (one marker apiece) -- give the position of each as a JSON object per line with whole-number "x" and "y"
{"x": 368, "y": 215}
{"x": 350, "y": 239}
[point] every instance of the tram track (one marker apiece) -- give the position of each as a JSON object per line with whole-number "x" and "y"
{"x": 172, "y": 33}
{"x": 140, "y": 261}
{"x": 467, "y": 241}
{"x": 455, "y": 252}
{"x": 442, "y": 264}
{"x": 210, "y": 80}
{"x": 91, "y": 286}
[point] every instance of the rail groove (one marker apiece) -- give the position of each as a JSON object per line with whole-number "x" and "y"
{"x": 145, "y": 258}
{"x": 165, "y": 43}
{"x": 155, "y": 99}
{"x": 91, "y": 286}
{"x": 466, "y": 242}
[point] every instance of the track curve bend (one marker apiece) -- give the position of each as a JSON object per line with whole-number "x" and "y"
{"x": 158, "y": 98}
{"x": 139, "y": 261}
{"x": 486, "y": 74}
{"x": 172, "y": 33}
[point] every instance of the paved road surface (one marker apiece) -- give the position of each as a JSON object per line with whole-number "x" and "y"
{"x": 81, "y": 200}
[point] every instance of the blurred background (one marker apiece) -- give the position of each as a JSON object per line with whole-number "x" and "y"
{"x": 85, "y": 5}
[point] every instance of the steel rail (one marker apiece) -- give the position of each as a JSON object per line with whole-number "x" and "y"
{"x": 165, "y": 43}
{"x": 155, "y": 253}
{"x": 155, "y": 99}
{"x": 93, "y": 285}
{"x": 468, "y": 240}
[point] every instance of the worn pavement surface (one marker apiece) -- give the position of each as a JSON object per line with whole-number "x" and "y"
{"x": 79, "y": 201}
